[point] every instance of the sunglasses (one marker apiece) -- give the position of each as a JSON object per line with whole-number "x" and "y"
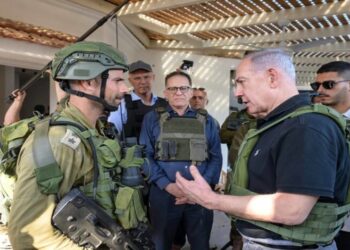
{"x": 183, "y": 89}
{"x": 326, "y": 84}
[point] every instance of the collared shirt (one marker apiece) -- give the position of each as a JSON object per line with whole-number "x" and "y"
{"x": 347, "y": 114}
{"x": 163, "y": 173}
{"x": 120, "y": 116}
{"x": 306, "y": 154}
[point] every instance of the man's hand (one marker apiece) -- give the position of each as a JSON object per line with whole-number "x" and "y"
{"x": 196, "y": 191}
{"x": 19, "y": 96}
{"x": 174, "y": 190}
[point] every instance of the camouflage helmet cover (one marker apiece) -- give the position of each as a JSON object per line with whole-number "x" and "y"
{"x": 86, "y": 60}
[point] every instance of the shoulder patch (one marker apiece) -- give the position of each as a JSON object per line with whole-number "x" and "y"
{"x": 71, "y": 139}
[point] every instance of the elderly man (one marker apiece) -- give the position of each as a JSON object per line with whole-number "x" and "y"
{"x": 292, "y": 172}
{"x": 333, "y": 86}
{"x": 168, "y": 153}
{"x": 199, "y": 98}
{"x": 129, "y": 116}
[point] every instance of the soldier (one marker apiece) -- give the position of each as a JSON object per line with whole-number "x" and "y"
{"x": 175, "y": 137}
{"x": 13, "y": 113}
{"x": 141, "y": 100}
{"x": 333, "y": 86}
{"x": 292, "y": 173}
{"x": 74, "y": 152}
{"x": 232, "y": 133}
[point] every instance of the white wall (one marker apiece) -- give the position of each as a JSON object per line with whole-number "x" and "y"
{"x": 210, "y": 72}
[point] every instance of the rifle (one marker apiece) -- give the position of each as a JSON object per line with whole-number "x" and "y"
{"x": 84, "y": 222}
{"x": 98, "y": 24}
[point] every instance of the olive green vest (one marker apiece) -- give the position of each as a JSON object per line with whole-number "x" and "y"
{"x": 182, "y": 138}
{"x": 325, "y": 219}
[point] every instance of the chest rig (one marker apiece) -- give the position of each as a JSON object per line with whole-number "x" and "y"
{"x": 181, "y": 138}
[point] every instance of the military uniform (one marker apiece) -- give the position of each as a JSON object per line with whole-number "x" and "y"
{"x": 74, "y": 156}
{"x": 232, "y": 133}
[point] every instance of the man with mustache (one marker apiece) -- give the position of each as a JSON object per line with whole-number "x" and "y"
{"x": 139, "y": 102}
{"x": 292, "y": 172}
{"x": 333, "y": 86}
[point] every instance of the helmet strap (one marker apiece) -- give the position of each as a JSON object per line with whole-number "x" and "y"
{"x": 65, "y": 86}
{"x": 104, "y": 77}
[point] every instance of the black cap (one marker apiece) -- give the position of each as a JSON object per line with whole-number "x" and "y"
{"x": 139, "y": 65}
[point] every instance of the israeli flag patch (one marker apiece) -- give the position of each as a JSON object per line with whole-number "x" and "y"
{"x": 71, "y": 139}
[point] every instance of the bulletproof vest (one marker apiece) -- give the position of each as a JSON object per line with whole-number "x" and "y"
{"x": 181, "y": 138}
{"x": 325, "y": 219}
{"x": 136, "y": 111}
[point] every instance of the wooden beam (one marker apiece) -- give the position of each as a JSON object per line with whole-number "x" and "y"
{"x": 155, "y": 5}
{"x": 271, "y": 17}
{"x": 285, "y": 36}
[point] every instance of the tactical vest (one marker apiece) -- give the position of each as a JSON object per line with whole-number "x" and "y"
{"x": 123, "y": 203}
{"x": 325, "y": 219}
{"x": 182, "y": 138}
{"x": 136, "y": 111}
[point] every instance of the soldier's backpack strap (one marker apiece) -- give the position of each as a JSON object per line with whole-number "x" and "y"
{"x": 48, "y": 172}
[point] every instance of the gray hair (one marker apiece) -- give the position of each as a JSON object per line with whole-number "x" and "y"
{"x": 277, "y": 58}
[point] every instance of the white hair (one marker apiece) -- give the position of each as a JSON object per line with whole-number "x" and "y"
{"x": 276, "y": 58}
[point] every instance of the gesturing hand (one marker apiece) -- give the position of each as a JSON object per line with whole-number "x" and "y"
{"x": 198, "y": 190}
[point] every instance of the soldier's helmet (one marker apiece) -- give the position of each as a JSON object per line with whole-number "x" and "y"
{"x": 86, "y": 60}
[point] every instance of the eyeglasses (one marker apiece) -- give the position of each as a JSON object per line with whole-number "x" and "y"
{"x": 326, "y": 84}
{"x": 198, "y": 88}
{"x": 183, "y": 89}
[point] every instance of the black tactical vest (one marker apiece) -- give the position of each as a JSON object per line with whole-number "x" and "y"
{"x": 136, "y": 110}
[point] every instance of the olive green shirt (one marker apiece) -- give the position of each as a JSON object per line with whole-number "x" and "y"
{"x": 233, "y": 130}
{"x": 30, "y": 217}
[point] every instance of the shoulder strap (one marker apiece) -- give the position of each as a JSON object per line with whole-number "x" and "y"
{"x": 48, "y": 172}
{"x": 325, "y": 219}
{"x": 161, "y": 102}
{"x": 314, "y": 108}
{"x": 240, "y": 175}
{"x": 129, "y": 104}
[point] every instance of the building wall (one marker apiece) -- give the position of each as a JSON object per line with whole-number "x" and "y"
{"x": 210, "y": 72}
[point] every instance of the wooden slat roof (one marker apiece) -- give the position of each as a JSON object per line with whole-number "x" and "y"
{"x": 318, "y": 30}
